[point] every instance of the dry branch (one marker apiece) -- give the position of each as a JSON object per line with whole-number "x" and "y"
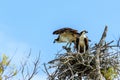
{"x": 98, "y": 63}
{"x": 98, "y": 75}
{"x": 28, "y": 70}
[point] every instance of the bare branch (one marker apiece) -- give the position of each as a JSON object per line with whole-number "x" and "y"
{"x": 29, "y": 70}
{"x": 102, "y": 40}
{"x": 101, "y": 61}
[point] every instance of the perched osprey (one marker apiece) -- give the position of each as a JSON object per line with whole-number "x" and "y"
{"x": 66, "y": 35}
{"x": 82, "y": 42}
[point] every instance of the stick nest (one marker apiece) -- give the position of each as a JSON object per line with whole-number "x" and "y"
{"x": 77, "y": 66}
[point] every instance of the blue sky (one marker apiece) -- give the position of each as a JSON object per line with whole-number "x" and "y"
{"x": 26, "y": 24}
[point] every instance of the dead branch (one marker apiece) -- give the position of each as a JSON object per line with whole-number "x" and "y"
{"x": 98, "y": 63}
{"x": 25, "y": 70}
{"x": 98, "y": 52}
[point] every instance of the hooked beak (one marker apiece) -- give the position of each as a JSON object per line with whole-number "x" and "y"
{"x": 86, "y": 31}
{"x": 54, "y": 41}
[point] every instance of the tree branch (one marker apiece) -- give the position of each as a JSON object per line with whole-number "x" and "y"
{"x": 97, "y": 59}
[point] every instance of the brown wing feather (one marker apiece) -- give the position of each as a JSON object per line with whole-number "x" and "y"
{"x": 62, "y": 30}
{"x": 86, "y": 43}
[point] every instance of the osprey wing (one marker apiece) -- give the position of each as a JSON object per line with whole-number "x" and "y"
{"x": 86, "y": 43}
{"x": 62, "y": 30}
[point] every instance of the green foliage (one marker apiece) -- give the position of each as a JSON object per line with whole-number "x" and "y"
{"x": 110, "y": 73}
{"x": 5, "y": 60}
{"x": 6, "y": 70}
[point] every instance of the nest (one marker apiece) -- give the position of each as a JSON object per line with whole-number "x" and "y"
{"x": 77, "y": 66}
{"x": 72, "y": 65}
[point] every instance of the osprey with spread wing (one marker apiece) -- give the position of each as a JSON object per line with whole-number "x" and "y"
{"x": 69, "y": 36}
{"x": 66, "y": 35}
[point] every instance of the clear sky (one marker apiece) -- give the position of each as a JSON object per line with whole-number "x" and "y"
{"x": 26, "y": 24}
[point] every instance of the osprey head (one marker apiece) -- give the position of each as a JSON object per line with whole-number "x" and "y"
{"x": 56, "y": 40}
{"x": 83, "y": 32}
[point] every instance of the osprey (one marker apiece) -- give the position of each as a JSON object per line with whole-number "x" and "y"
{"x": 66, "y": 35}
{"x": 82, "y": 42}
